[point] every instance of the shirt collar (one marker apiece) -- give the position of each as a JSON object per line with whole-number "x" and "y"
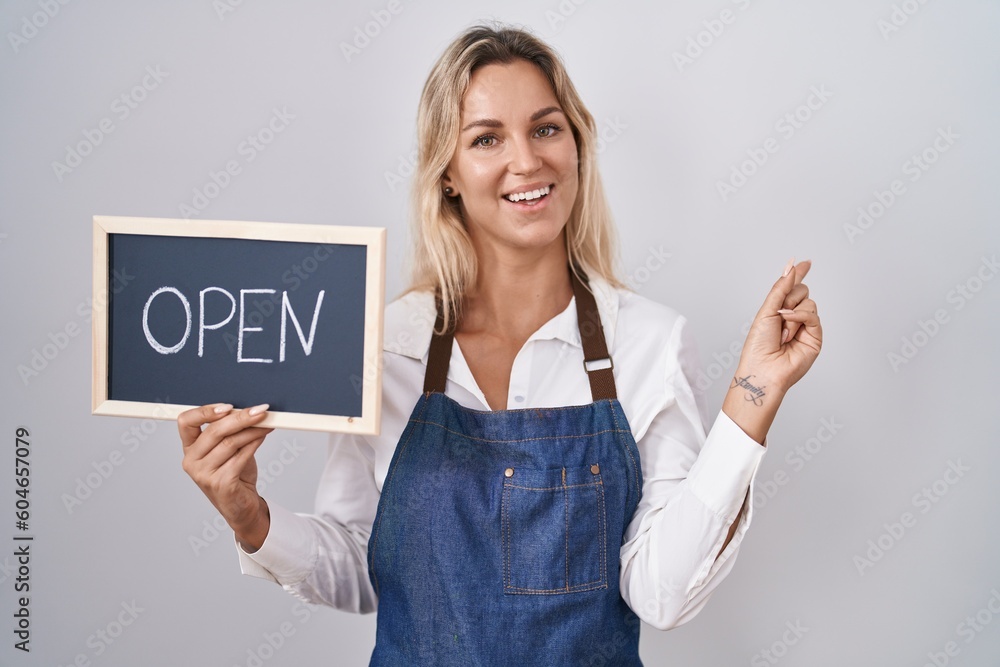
{"x": 409, "y": 321}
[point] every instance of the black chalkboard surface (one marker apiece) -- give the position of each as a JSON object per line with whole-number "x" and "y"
{"x": 244, "y": 313}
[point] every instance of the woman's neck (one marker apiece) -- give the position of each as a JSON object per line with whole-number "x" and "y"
{"x": 516, "y": 293}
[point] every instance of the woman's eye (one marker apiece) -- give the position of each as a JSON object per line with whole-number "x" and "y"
{"x": 548, "y": 130}
{"x": 485, "y": 141}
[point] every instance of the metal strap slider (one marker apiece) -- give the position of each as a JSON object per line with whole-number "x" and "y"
{"x": 598, "y": 364}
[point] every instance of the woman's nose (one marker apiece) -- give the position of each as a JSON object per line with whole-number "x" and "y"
{"x": 524, "y": 157}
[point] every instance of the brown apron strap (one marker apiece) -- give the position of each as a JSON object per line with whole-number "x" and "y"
{"x": 439, "y": 355}
{"x": 597, "y": 363}
{"x": 596, "y": 360}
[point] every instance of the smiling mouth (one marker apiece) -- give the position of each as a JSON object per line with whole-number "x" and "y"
{"x": 529, "y": 197}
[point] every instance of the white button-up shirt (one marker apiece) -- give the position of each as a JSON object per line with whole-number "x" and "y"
{"x": 693, "y": 485}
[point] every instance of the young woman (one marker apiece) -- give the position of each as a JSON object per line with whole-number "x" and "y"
{"x": 543, "y": 478}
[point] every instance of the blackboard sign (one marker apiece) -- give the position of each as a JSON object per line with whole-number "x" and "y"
{"x": 245, "y": 313}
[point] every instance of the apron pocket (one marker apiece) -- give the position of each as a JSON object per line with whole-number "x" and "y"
{"x": 553, "y": 531}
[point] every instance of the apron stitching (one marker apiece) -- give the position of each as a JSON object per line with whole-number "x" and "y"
{"x": 602, "y": 524}
{"x": 566, "y": 518}
{"x": 579, "y": 588}
{"x": 601, "y": 581}
{"x": 499, "y": 413}
{"x": 506, "y": 506}
{"x": 628, "y": 449}
{"x": 551, "y": 488}
{"x": 543, "y": 437}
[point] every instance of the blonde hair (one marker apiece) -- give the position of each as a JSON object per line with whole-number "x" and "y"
{"x": 444, "y": 259}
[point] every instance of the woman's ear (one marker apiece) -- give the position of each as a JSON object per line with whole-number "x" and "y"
{"x": 447, "y": 186}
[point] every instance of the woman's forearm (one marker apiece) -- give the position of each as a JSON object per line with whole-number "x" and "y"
{"x": 752, "y": 402}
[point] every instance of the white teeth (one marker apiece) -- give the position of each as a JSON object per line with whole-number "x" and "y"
{"x": 533, "y": 194}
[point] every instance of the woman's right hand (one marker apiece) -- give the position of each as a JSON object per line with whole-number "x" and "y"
{"x": 220, "y": 460}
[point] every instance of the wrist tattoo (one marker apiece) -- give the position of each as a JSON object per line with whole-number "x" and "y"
{"x": 754, "y": 393}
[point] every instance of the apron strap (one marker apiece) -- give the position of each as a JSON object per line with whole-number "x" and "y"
{"x": 597, "y": 362}
{"x": 439, "y": 354}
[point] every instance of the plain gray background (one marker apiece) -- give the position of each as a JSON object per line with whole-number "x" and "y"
{"x": 895, "y": 77}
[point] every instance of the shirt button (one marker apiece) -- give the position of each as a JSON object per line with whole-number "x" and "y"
{"x": 519, "y": 398}
{"x": 509, "y": 472}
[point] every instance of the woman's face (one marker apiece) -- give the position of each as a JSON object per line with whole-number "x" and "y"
{"x": 514, "y": 139}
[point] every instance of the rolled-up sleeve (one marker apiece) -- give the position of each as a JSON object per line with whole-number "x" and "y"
{"x": 694, "y": 486}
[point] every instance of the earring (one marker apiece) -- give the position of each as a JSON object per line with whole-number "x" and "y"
{"x": 448, "y": 191}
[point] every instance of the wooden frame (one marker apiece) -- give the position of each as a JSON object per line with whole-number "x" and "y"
{"x": 373, "y": 238}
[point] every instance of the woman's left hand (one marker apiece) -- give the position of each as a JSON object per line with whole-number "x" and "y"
{"x": 786, "y": 336}
{"x": 772, "y": 360}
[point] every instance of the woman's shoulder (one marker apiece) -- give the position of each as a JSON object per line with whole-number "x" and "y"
{"x": 637, "y": 317}
{"x": 654, "y": 355}
{"x": 638, "y": 308}
{"x": 409, "y": 323}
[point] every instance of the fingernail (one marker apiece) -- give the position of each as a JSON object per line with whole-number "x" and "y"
{"x": 785, "y": 311}
{"x": 257, "y": 409}
{"x": 784, "y": 336}
{"x": 225, "y": 407}
{"x": 788, "y": 268}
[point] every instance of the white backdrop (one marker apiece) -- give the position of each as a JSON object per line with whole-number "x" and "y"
{"x": 860, "y": 134}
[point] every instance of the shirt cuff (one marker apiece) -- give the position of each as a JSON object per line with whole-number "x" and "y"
{"x": 728, "y": 461}
{"x": 288, "y": 554}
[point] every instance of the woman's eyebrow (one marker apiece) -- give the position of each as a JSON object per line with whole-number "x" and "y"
{"x": 492, "y": 122}
{"x": 541, "y": 113}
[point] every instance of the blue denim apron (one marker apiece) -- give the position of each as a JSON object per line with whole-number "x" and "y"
{"x": 497, "y": 535}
